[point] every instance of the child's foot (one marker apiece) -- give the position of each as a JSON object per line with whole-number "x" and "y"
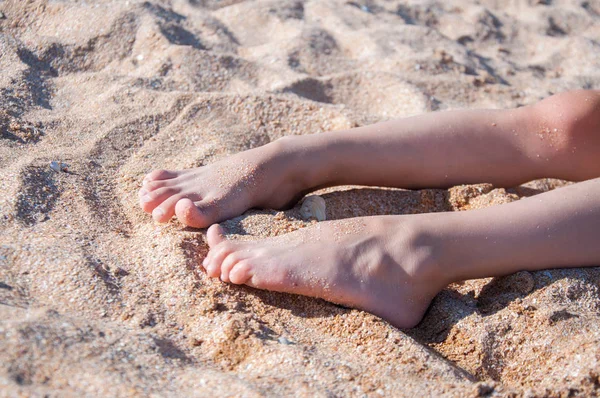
{"x": 378, "y": 264}
{"x": 263, "y": 177}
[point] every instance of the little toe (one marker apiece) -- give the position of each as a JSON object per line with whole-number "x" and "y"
{"x": 150, "y": 200}
{"x": 241, "y": 272}
{"x": 196, "y": 215}
{"x": 159, "y": 175}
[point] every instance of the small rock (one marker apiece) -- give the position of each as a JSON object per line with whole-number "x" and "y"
{"x": 121, "y": 272}
{"x": 2, "y": 16}
{"x": 55, "y": 166}
{"x": 284, "y": 341}
{"x": 522, "y": 282}
{"x": 59, "y": 166}
{"x": 485, "y": 390}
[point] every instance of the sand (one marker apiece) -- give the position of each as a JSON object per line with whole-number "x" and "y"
{"x": 96, "y": 299}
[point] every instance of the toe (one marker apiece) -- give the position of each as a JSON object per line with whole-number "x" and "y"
{"x": 166, "y": 210}
{"x": 159, "y": 175}
{"x": 241, "y": 272}
{"x": 230, "y": 261}
{"x": 151, "y": 199}
{"x": 196, "y": 215}
{"x": 215, "y": 235}
{"x": 213, "y": 268}
{"x": 153, "y": 185}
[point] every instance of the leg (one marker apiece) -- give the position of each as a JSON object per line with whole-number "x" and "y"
{"x": 393, "y": 266}
{"x": 555, "y": 138}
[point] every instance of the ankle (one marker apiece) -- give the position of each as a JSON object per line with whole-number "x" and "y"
{"x": 304, "y": 161}
{"x": 428, "y": 245}
{"x": 457, "y": 240}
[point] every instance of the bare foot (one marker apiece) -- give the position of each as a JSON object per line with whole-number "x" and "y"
{"x": 379, "y": 264}
{"x": 263, "y": 177}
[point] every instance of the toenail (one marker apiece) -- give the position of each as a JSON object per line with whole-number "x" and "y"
{"x": 146, "y": 198}
{"x": 143, "y": 192}
{"x": 144, "y": 182}
{"x": 204, "y": 262}
{"x": 158, "y": 212}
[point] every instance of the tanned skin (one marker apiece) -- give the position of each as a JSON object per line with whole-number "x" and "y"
{"x": 393, "y": 266}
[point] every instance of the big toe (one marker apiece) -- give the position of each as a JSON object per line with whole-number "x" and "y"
{"x": 196, "y": 214}
{"x": 215, "y": 235}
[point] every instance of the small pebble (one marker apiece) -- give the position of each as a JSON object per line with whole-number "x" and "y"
{"x": 284, "y": 341}
{"x": 2, "y": 16}
{"x": 59, "y": 166}
{"x": 55, "y": 166}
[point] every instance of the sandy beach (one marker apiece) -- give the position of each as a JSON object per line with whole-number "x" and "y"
{"x": 98, "y": 300}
